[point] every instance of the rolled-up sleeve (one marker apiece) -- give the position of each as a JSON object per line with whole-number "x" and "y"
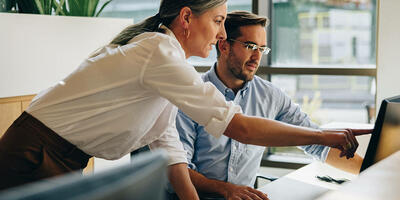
{"x": 174, "y": 79}
{"x": 292, "y": 114}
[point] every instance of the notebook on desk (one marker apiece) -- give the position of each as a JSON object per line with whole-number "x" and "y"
{"x": 384, "y": 141}
{"x": 289, "y": 189}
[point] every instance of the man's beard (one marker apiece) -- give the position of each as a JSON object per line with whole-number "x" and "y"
{"x": 236, "y": 68}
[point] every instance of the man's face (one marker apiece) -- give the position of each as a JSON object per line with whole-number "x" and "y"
{"x": 243, "y": 62}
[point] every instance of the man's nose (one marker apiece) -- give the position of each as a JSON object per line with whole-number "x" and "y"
{"x": 256, "y": 55}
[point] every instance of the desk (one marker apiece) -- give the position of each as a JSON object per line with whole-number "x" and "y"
{"x": 380, "y": 181}
{"x": 308, "y": 173}
{"x": 300, "y": 182}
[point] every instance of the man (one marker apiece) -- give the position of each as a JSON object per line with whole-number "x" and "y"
{"x": 227, "y": 167}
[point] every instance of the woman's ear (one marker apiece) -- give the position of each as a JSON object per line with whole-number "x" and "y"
{"x": 185, "y": 17}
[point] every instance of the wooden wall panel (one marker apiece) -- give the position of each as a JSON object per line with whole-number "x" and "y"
{"x": 25, "y": 105}
{"x": 89, "y": 168}
{"x": 12, "y": 107}
{"x": 8, "y": 113}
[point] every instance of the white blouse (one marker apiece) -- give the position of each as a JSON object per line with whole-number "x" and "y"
{"x": 120, "y": 99}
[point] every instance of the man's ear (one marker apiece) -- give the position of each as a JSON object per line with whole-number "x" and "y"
{"x": 223, "y": 46}
{"x": 185, "y": 17}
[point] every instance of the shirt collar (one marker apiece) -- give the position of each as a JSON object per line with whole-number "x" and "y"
{"x": 213, "y": 77}
{"x": 168, "y": 31}
{"x": 171, "y": 34}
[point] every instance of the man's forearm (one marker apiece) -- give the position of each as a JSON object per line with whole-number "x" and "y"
{"x": 205, "y": 185}
{"x": 180, "y": 180}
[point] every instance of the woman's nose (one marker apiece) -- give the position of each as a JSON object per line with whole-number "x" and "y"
{"x": 222, "y": 33}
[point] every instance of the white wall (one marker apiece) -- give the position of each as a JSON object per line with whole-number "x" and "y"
{"x": 388, "y": 53}
{"x": 36, "y": 51}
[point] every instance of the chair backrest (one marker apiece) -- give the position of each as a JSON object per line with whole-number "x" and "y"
{"x": 144, "y": 179}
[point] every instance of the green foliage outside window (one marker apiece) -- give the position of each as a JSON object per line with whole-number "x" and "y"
{"x": 85, "y": 8}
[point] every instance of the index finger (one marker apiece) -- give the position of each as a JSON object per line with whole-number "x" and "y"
{"x": 358, "y": 132}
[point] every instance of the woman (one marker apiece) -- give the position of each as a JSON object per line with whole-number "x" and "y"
{"x": 123, "y": 97}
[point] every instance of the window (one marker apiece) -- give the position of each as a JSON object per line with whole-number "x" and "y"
{"x": 312, "y": 33}
{"x": 323, "y": 56}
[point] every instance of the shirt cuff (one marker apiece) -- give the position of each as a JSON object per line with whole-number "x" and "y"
{"x": 324, "y": 154}
{"x": 176, "y": 158}
{"x": 216, "y": 127}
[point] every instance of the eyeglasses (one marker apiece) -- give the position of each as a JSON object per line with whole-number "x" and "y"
{"x": 253, "y": 47}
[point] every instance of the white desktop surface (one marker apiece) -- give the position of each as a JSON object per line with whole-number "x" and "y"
{"x": 379, "y": 182}
{"x": 308, "y": 173}
{"x": 303, "y": 183}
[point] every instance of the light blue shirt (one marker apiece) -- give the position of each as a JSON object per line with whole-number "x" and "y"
{"x": 226, "y": 159}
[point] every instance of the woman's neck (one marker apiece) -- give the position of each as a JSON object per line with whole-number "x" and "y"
{"x": 180, "y": 36}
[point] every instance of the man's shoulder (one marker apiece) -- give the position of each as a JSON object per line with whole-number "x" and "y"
{"x": 263, "y": 84}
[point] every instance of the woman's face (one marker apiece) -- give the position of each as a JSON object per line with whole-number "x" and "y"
{"x": 205, "y": 30}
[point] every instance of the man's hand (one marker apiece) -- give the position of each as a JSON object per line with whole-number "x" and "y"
{"x": 237, "y": 192}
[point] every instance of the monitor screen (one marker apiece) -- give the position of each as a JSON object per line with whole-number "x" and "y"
{"x": 385, "y": 138}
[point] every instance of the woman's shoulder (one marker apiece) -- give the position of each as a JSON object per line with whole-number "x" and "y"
{"x": 159, "y": 43}
{"x": 154, "y": 38}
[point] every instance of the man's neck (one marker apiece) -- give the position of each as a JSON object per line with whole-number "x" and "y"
{"x": 227, "y": 77}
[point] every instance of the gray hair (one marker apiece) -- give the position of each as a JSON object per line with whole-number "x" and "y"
{"x": 168, "y": 11}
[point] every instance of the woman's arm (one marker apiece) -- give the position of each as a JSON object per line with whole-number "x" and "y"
{"x": 266, "y": 132}
{"x": 178, "y": 175}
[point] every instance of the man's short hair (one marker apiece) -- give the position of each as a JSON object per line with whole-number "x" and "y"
{"x": 236, "y": 19}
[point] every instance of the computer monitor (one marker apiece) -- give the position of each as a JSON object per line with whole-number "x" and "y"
{"x": 385, "y": 138}
{"x": 144, "y": 179}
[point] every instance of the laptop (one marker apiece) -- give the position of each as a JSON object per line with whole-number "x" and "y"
{"x": 384, "y": 141}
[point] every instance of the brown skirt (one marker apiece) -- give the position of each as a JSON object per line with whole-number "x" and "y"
{"x": 30, "y": 151}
